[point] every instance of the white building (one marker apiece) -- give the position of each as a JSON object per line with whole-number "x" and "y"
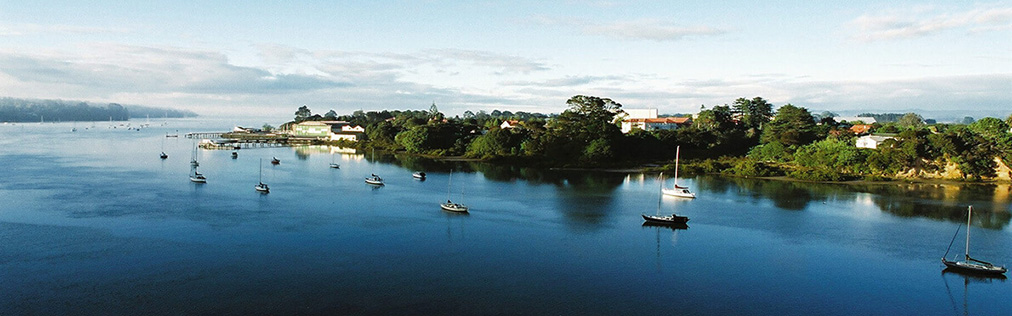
{"x": 871, "y": 141}
{"x": 855, "y": 119}
{"x": 651, "y": 124}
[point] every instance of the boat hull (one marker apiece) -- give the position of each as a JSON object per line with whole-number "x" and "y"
{"x": 682, "y": 193}
{"x": 672, "y": 219}
{"x": 198, "y": 180}
{"x": 973, "y": 267}
{"x": 453, "y": 207}
{"x": 373, "y": 181}
{"x": 335, "y": 166}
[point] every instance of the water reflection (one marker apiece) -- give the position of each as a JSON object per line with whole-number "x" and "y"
{"x": 936, "y": 201}
{"x": 966, "y": 278}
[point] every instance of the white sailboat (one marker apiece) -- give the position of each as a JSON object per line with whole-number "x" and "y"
{"x": 262, "y": 187}
{"x": 657, "y": 218}
{"x": 374, "y": 179}
{"x": 333, "y": 162}
{"x": 450, "y": 206}
{"x": 677, "y": 190}
{"x": 970, "y": 264}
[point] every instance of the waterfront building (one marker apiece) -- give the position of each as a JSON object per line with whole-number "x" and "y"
{"x": 329, "y": 130}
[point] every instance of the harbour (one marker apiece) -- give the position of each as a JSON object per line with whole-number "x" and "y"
{"x": 98, "y": 224}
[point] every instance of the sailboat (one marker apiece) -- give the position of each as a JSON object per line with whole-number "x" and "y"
{"x": 450, "y": 206}
{"x": 275, "y": 161}
{"x": 678, "y": 191}
{"x": 374, "y": 179}
{"x": 333, "y": 162}
{"x": 970, "y": 264}
{"x": 262, "y": 187}
{"x": 664, "y": 219}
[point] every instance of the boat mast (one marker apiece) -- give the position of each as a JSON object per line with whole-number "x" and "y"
{"x": 660, "y": 193}
{"x": 969, "y": 212}
{"x": 448, "y": 181}
{"x": 678, "y": 150}
{"x": 261, "y": 178}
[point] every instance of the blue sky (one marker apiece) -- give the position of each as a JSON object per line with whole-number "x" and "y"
{"x": 940, "y": 58}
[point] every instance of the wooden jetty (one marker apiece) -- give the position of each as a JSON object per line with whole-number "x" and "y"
{"x": 230, "y": 141}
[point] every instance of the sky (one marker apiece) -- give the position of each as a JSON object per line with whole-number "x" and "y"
{"x": 227, "y": 58}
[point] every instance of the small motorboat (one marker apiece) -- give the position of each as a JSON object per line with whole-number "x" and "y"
{"x": 418, "y": 175}
{"x": 275, "y": 161}
{"x": 235, "y": 155}
{"x": 665, "y": 219}
{"x": 163, "y": 155}
{"x": 335, "y": 165}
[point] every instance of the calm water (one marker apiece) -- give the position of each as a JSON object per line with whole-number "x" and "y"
{"x": 92, "y": 222}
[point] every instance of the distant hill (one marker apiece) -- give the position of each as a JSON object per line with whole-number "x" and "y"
{"x": 32, "y": 110}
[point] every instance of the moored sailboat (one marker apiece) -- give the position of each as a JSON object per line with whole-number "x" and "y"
{"x": 677, "y": 190}
{"x": 261, "y": 186}
{"x": 970, "y": 264}
{"x": 449, "y": 205}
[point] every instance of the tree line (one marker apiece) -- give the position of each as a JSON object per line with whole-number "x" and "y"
{"x": 25, "y": 110}
{"x": 749, "y": 137}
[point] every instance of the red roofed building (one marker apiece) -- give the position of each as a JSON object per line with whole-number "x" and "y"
{"x": 860, "y": 129}
{"x": 650, "y": 124}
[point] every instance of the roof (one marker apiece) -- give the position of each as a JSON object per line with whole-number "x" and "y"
{"x": 668, "y": 120}
{"x": 878, "y": 138}
{"x": 860, "y": 128}
{"x": 323, "y": 123}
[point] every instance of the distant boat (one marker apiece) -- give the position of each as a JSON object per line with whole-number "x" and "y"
{"x": 970, "y": 264}
{"x": 418, "y": 175}
{"x": 262, "y": 187}
{"x": 163, "y": 155}
{"x": 275, "y": 161}
{"x": 236, "y": 155}
{"x": 664, "y": 219}
{"x": 197, "y": 176}
{"x": 678, "y": 191}
{"x": 374, "y": 180}
{"x": 333, "y": 163}
{"x": 450, "y": 206}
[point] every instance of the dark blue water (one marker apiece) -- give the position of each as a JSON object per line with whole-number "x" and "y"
{"x": 92, "y": 222}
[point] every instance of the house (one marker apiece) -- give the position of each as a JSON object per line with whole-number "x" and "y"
{"x": 509, "y": 124}
{"x": 650, "y": 124}
{"x": 240, "y": 129}
{"x": 329, "y": 130}
{"x": 855, "y": 119}
{"x": 860, "y": 129}
{"x": 871, "y": 141}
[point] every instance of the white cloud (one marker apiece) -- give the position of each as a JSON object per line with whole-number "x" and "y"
{"x": 62, "y": 29}
{"x": 641, "y": 29}
{"x": 923, "y": 22}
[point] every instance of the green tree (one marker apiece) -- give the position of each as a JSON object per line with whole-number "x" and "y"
{"x": 911, "y": 120}
{"x": 302, "y": 113}
{"x": 792, "y": 126}
{"x": 330, "y": 116}
{"x": 267, "y": 128}
{"x": 717, "y": 118}
{"x": 755, "y": 112}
